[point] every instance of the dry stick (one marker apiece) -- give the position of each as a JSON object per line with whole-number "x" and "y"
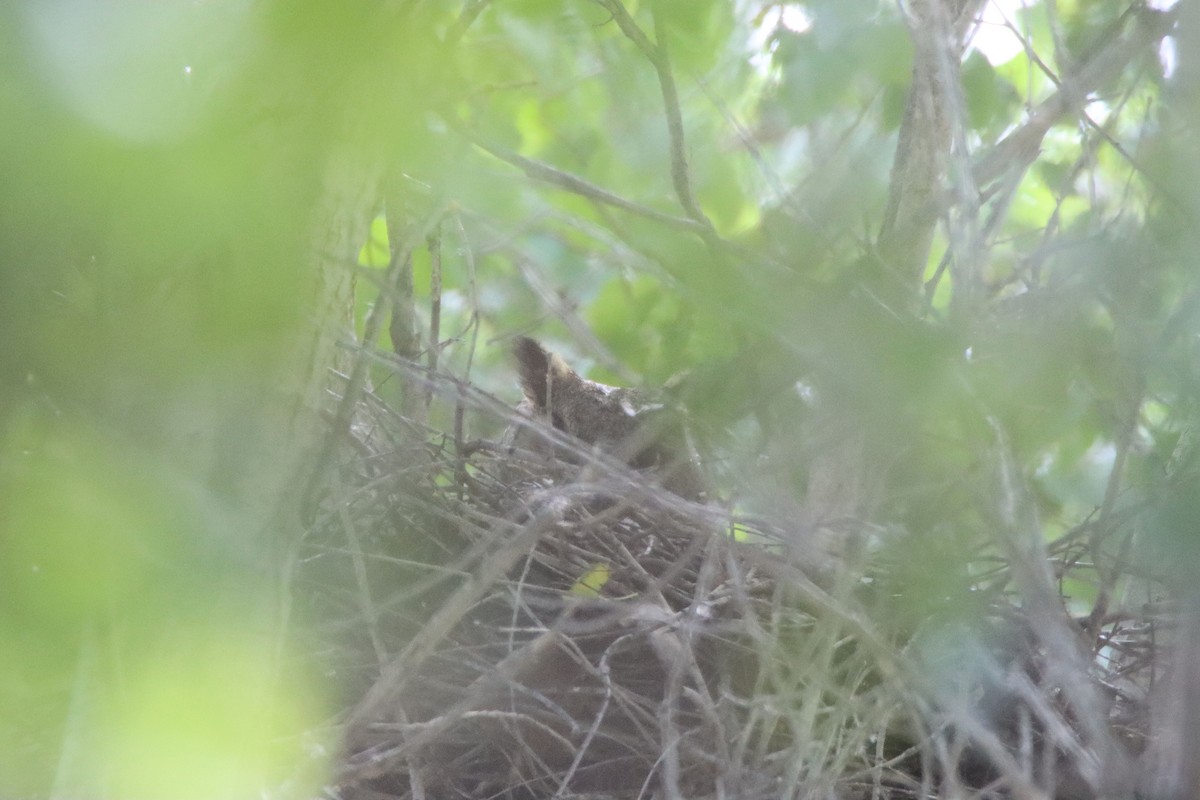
{"x": 679, "y": 657}
{"x": 669, "y": 652}
{"x": 505, "y": 674}
{"x": 457, "y": 30}
{"x": 365, "y": 602}
{"x": 472, "y": 289}
{"x": 406, "y": 342}
{"x": 604, "y": 672}
{"x": 415, "y": 782}
{"x": 700, "y": 691}
{"x": 491, "y": 569}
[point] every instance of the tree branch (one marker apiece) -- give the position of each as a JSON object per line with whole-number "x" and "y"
{"x": 659, "y": 58}
{"x": 1019, "y": 149}
{"x": 573, "y": 183}
{"x": 916, "y": 199}
{"x": 938, "y": 29}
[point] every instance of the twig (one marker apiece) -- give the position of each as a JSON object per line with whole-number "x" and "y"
{"x": 472, "y": 323}
{"x": 573, "y": 183}
{"x": 604, "y": 672}
{"x": 658, "y": 56}
{"x": 468, "y": 255}
{"x": 362, "y": 583}
{"x": 434, "y": 243}
{"x": 1018, "y": 149}
{"x": 490, "y": 570}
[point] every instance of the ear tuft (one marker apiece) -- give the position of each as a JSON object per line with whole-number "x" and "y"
{"x": 559, "y": 371}
{"x": 533, "y": 362}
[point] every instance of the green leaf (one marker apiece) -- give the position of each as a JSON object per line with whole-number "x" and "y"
{"x": 989, "y": 98}
{"x": 376, "y": 251}
{"x": 592, "y": 582}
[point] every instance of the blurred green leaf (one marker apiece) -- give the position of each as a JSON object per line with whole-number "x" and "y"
{"x": 990, "y": 100}
{"x": 376, "y": 251}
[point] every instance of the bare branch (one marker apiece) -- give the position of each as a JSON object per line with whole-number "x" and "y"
{"x": 576, "y": 185}
{"x": 658, "y": 56}
{"x": 1019, "y": 149}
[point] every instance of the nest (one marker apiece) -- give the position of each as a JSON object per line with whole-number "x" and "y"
{"x": 506, "y": 625}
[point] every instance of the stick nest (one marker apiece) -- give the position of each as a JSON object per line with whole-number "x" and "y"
{"x": 503, "y": 625}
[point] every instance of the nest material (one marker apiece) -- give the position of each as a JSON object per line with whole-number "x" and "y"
{"x": 535, "y": 683}
{"x": 478, "y": 661}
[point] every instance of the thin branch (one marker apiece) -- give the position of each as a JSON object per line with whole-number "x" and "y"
{"x": 680, "y": 174}
{"x": 1020, "y": 148}
{"x": 658, "y": 56}
{"x": 362, "y": 582}
{"x": 434, "y": 244}
{"x": 395, "y": 676}
{"x": 574, "y": 184}
{"x": 473, "y": 324}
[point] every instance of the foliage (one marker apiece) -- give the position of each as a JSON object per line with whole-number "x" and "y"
{"x": 167, "y": 173}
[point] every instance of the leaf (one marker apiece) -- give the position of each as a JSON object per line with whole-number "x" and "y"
{"x": 592, "y": 581}
{"x": 989, "y": 98}
{"x": 376, "y": 252}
